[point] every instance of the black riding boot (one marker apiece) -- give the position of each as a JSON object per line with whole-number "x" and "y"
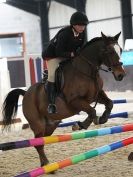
{"x": 51, "y": 97}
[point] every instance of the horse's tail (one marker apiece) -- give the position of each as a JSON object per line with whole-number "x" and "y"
{"x": 10, "y": 106}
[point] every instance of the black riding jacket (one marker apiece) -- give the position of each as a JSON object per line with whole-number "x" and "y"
{"x": 64, "y": 43}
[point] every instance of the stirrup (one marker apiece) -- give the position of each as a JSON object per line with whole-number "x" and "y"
{"x": 52, "y": 109}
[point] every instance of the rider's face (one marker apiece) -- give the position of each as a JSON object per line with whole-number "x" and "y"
{"x": 79, "y": 28}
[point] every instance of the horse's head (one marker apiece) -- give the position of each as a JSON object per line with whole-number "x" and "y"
{"x": 111, "y": 56}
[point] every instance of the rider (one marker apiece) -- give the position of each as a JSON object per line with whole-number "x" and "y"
{"x": 63, "y": 46}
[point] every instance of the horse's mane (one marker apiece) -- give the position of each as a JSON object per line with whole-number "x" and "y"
{"x": 92, "y": 41}
{"x": 97, "y": 39}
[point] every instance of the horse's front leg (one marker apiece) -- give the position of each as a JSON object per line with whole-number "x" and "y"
{"x": 83, "y": 105}
{"x": 103, "y": 99}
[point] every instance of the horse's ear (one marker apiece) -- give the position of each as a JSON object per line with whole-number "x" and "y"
{"x": 116, "y": 37}
{"x": 104, "y": 37}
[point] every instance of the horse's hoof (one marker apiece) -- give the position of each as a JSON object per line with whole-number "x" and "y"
{"x": 52, "y": 172}
{"x": 75, "y": 127}
{"x": 96, "y": 120}
{"x": 102, "y": 120}
{"x": 130, "y": 157}
{"x": 46, "y": 163}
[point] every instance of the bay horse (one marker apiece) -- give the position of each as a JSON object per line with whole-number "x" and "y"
{"x": 82, "y": 86}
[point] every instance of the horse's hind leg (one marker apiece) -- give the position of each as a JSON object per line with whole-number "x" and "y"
{"x": 39, "y": 129}
{"x": 103, "y": 99}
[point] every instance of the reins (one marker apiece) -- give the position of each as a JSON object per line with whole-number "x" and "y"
{"x": 88, "y": 62}
{"x": 90, "y": 76}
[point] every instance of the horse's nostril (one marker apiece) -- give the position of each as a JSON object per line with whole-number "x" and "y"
{"x": 120, "y": 77}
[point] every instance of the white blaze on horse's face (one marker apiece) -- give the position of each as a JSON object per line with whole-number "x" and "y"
{"x": 117, "y": 49}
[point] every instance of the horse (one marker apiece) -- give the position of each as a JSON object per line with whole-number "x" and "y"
{"x": 82, "y": 86}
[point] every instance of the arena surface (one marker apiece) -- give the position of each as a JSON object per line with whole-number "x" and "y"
{"x": 112, "y": 164}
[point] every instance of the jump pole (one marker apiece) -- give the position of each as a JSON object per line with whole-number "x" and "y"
{"x": 67, "y": 137}
{"x": 120, "y": 114}
{"x": 119, "y": 101}
{"x": 77, "y": 158}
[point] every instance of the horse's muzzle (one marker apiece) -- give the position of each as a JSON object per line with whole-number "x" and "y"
{"x": 119, "y": 77}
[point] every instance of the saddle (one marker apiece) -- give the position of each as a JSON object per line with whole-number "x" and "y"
{"x": 59, "y": 77}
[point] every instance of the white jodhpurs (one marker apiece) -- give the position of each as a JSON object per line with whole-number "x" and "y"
{"x": 52, "y": 66}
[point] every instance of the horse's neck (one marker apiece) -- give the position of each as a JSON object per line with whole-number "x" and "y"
{"x": 84, "y": 66}
{"x": 89, "y": 60}
{"x": 92, "y": 53}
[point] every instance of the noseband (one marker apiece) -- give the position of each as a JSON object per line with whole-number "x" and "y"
{"x": 115, "y": 65}
{"x": 108, "y": 52}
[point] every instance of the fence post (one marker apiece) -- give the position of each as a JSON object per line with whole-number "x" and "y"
{"x": 4, "y": 80}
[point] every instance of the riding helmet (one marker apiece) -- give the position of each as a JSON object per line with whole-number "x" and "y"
{"x": 79, "y": 18}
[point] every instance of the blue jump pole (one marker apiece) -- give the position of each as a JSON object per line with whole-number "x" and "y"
{"x": 121, "y": 115}
{"x": 119, "y": 101}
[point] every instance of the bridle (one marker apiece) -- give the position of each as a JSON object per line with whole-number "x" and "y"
{"x": 96, "y": 70}
{"x": 107, "y": 52}
{"x": 110, "y": 68}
